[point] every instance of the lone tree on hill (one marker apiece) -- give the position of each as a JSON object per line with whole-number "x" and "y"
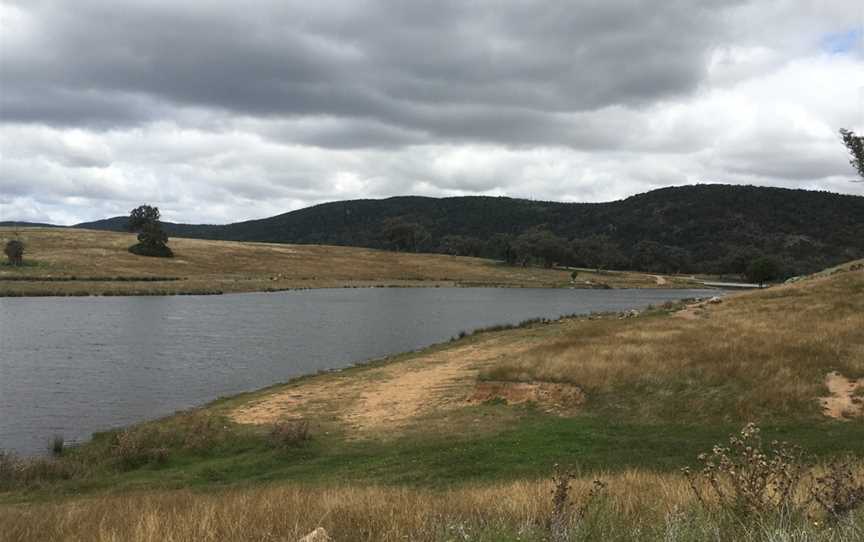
{"x": 855, "y": 144}
{"x": 152, "y": 241}
{"x": 14, "y": 250}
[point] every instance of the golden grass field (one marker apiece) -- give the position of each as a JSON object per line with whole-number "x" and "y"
{"x": 225, "y": 266}
{"x": 762, "y": 355}
{"x": 637, "y": 506}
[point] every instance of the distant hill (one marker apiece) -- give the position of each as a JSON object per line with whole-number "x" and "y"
{"x": 692, "y": 229}
{"x": 22, "y": 224}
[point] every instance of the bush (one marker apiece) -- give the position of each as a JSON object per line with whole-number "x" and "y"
{"x": 16, "y": 471}
{"x": 288, "y": 434}
{"x": 14, "y": 250}
{"x": 201, "y": 433}
{"x": 57, "y": 445}
{"x": 133, "y": 448}
{"x": 838, "y": 491}
{"x": 748, "y": 477}
{"x": 156, "y": 251}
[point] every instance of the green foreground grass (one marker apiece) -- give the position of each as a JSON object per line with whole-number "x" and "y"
{"x": 528, "y": 450}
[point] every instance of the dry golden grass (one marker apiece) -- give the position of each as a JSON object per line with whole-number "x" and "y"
{"x": 756, "y": 355}
{"x": 287, "y": 512}
{"x": 225, "y": 266}
{"x": 636, "y": 505}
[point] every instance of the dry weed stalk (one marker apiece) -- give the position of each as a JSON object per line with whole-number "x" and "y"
{"x": 747, "y": 477}
{"x": 563, "y": 512}
{"x": 837, "y": 491}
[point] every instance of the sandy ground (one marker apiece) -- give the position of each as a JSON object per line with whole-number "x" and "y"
{"x": 843, "y": 402}
{"x": 661, "y": 281}
{"x": 390, "y": 396}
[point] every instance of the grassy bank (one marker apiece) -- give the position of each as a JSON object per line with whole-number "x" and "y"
{"x": 83, "y": 262}
{"x": 458, "y": 441}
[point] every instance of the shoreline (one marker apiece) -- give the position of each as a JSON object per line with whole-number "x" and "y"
{"x": 35, "y": 293}
{"x": 84, "y": 262}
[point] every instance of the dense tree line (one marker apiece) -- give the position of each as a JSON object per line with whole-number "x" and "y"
{"x": 691, "y": 229}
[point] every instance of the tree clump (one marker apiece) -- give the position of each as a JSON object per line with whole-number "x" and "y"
{"x": 14, "y": 250}
{"x": 152, "y": 240}
{"x": 762, "y": 270}
{"x": 855, "y": 145}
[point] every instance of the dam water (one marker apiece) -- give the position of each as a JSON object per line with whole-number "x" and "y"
{"x": 73, "y": 366}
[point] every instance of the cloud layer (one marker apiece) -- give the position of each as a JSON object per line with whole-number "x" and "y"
{"x": 217, "y": 113}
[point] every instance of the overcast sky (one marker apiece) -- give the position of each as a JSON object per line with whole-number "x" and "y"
{"x": 218, "y": 111}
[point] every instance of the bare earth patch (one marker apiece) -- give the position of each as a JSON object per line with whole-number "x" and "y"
{"x": 287, "y": 405}
{"x": 387, "y": 397}
{"x": 552, "y": 396}
{"x": 843, "y": 402}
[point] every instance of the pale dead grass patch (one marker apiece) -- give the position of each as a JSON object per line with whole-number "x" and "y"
{"x": 843, "y": 401}
{"x": 550, "y": 396}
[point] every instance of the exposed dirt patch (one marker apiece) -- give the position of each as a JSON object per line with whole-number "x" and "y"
{"x": 552, "y": 396}
{"x": 660, "y": 281}
{"x": 390, "y": 396}
{"x": 843, "y": 403}
{"x": 288, "y": 404}
{"x": 435, "y": 382}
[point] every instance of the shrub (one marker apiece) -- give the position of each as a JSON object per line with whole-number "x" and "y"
{"x": 16, "y": 471}
{"x": 201, "y": 433}
{"x": 57, "y": 445}
{"x": 837, "y": 491}
{"x": 14, "y": 250}
{"x": 157, "y": 251}
{"x": 288, "y": 433}
{"x": 132, "y": 448}
{"x": 747, "y": 477}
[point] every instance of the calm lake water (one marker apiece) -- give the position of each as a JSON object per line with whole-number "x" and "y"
{"x": 72, "y": 366}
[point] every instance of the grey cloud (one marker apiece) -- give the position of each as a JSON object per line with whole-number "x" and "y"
{"x": 220, "y": 112}
{"x": 485, "y": 71}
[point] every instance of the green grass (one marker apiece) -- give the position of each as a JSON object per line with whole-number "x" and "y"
{"x": 526, "y": 450}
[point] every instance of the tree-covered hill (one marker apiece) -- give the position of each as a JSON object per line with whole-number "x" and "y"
{"x": 701, "y": 228}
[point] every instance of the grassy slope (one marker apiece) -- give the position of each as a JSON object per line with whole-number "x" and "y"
{"x": 224, "y": 266}
{"x": 660, "y": 389}
{"x": 762, "y": 355}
